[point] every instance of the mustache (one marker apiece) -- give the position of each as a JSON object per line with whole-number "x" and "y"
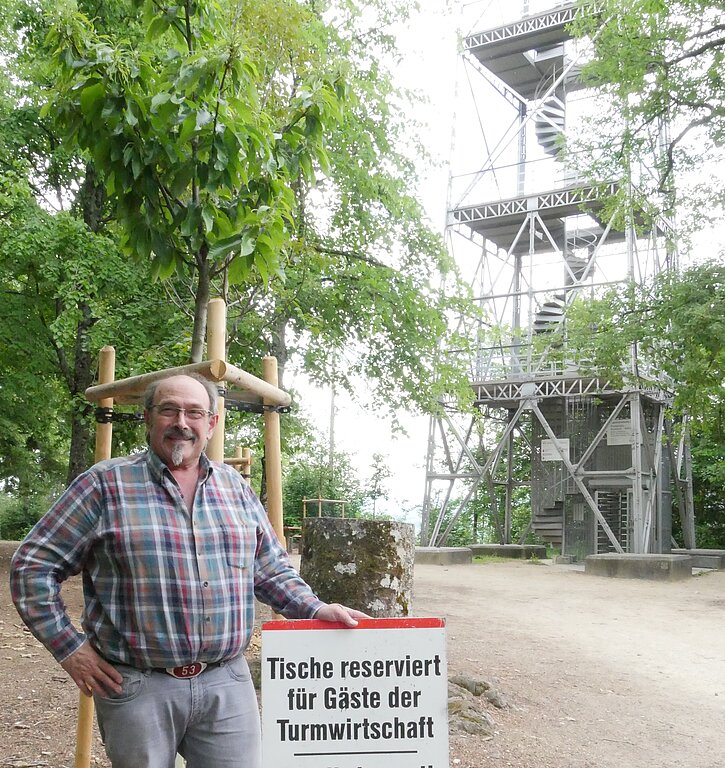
{"x": 177, "y": 433}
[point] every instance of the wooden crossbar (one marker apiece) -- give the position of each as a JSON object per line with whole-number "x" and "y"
{"x": 250, "y": 389}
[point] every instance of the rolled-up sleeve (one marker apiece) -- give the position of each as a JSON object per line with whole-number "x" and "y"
{"x": 276, "y": 582}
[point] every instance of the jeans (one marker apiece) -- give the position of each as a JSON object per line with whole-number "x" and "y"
{"x": 211, "y": 720}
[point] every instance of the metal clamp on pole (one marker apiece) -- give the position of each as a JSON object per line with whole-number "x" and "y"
{"x": 106, "y": 415}
{"x": 236, "y": 405}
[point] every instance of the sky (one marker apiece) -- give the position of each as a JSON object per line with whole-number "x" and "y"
{"x": 429, "y": 45}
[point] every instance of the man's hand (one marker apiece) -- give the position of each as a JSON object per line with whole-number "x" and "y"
{"x": 92, "y": 673}
{"x": 337, "y": 612}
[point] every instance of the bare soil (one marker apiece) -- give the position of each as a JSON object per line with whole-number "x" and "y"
{"x": 598, "y": 672}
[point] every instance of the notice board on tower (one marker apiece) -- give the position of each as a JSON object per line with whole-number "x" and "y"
{"x": 375, "y": 696}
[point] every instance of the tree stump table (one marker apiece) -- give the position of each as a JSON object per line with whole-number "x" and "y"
{"x": 364, "y": 564}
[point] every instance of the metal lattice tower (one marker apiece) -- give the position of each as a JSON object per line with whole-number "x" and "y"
{"x": 594, "y": 463}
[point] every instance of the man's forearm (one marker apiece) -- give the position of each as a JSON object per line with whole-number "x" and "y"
{"x": 36, "y": 594}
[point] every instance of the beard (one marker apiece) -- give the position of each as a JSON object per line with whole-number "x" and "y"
{"x": 177, "y": 454}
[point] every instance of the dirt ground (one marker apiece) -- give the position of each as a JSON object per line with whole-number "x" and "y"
{"x": 598, "y": 672}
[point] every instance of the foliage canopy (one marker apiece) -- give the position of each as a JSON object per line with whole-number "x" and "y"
{"x": 677, "y": 324}
{"x": 661, "y": 65}
{"x": 254, "y": 151}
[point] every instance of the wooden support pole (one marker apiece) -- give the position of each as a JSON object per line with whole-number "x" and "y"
{"x": 216, "y": 343}
{"x": 242, "y": 460}
{"x": 104, "y": 432}
{"x": 104, "y": 435}
{"x": 247, "y": 466}
{"x": 273, "y": 454}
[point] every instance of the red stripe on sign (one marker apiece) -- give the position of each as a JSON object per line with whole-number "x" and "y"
{"x": 295, "y": 624}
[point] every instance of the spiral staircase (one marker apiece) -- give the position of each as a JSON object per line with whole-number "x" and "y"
{"x": 549, "y": 127}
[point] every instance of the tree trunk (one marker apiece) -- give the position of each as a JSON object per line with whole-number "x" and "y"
{"x": 80, "y": 444}
{"x": 278, "y": 346}
{"x": 91, "y": 200}
{"x": 82, "y": 377}
{"x": 203, "y": 289}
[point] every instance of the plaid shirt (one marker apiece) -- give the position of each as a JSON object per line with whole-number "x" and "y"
{"x": 162, "y": 587}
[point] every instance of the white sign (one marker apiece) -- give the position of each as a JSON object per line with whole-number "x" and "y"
{"x": 549, "y": 451}
{"x": 620, "y": 432}
{"x": 375, "y": 696}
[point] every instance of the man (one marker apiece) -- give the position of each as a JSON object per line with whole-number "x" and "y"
{"x": 173, "y": 549}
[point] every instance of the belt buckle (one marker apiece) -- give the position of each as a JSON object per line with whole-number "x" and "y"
{"x": 187, "y": 670}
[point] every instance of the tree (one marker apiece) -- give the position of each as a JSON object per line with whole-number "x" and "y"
{"x": 322, "y": 132}
{"x": 377, "y": 483}
{"x": 66, "y": 292}
{"x": 198, "y": 167}
{"x": 662, "y": 65}
{"x": 360, "y": 297}
{"x": 310, "y": 476}
{"x": 66, "y": 289}
{"x": 677, "y": 324}
{"x": 357, "y": 297}
{"x": 236, "y": 165}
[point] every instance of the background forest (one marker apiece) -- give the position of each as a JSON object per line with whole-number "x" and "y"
{"x": 153, "y": 156}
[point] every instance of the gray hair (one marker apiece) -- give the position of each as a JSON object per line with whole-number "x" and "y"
{"x": 209, "y": 386}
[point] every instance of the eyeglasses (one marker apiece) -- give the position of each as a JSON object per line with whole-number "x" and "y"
{"x": 171, "y": 412}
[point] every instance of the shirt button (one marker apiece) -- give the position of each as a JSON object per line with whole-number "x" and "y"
{"x": 208, "y": 618}
{"x": 205, "y": 584}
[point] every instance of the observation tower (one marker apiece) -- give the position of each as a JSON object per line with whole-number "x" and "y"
{"x": 550, "y": 446}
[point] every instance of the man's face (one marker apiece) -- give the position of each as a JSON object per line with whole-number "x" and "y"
{"x": 177, "y": 438}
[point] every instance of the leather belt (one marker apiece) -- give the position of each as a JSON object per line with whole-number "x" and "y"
{"x": 184, "y": 671}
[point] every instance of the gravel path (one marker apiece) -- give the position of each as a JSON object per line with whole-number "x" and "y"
{"x": 600, "y": 672}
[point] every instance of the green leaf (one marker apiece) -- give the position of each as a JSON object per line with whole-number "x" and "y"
{"x": 241, "y": 269}
{"x": 187, "y": 128}
{"x": 157, "y": 27}
{"x": 247, "y": 244}
{"x": 182, "y": 179}
{"x": 158, "y": 100}
{"x": 203, "y": 117}
{"x": 190, "y": 223}
{"x": 221, "y": 248}
{"x": 306, "y": 166}
{"x": 131, "y": 119}
{"x": 136, "y": 166}
{"x": 207, "y": 216}
{"x": 91, "y": 97}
